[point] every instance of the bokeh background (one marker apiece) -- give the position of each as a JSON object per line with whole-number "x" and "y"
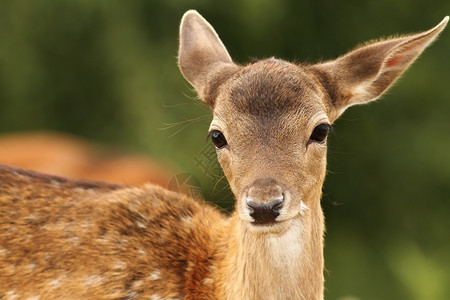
{"x": 106, "y": 71}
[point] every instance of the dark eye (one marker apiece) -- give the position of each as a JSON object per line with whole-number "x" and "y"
{"x": 218, "y": 139}
{"x": 319, "y": 133}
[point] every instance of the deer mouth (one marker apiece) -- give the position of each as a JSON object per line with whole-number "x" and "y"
{"x": 274, "y": 227}
{"x": 264, "y": 223}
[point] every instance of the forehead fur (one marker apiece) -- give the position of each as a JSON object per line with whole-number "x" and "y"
{"x": 271, "y": 88}
{"x": 270, "y": 100}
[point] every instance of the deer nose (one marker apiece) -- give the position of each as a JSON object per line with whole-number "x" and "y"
{"x": 265, "y": 213}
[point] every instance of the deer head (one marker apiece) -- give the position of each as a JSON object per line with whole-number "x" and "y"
{"x": 271, "y": 118}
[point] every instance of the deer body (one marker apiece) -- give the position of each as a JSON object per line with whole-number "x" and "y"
{"x": 58, "y": 242}
{"x": 73, "y": 239}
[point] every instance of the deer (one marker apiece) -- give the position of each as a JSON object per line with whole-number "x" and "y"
{"x": 62, "y": 238}
{"x": 70, "y": 156}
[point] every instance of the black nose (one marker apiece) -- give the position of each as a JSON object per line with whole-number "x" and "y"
{"x": 265, "y": 213}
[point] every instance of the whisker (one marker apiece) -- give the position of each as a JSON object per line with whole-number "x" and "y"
{"x": 190, "y": 121}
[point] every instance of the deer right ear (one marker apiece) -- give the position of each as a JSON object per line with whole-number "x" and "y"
{"x": 202, "y": 57}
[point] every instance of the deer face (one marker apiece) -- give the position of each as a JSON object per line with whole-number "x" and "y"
{"x": 271, "y": 118}
{"x": 269, "y": 127}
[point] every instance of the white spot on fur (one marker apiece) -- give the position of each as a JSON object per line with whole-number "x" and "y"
{"x": 78, "y": 190}
{"x": 137, "y": 284}
{"x": 33, "y": 217}
{"x": 303, "y": 208}
{"x": 122, "y": 243}
{"x": 75, "y": 240}
{"x": 155, "y": 275}
{"x": 56, "y": 282}
{"x": 155, "y": 297}
{"x": 55, "y": 183}
{"x": 186, "y": 220}
{"x": 104, "y": 239}
{"x": 34, "y": 297}
{"x": 31, "y": 267}
{"x": 190, "y": 266}
{"x": 120, "y": 265}
{"x": 141, "y": 251}
{"x": 131, "y": 295}
{"x": 140, "y": 224}
{"x": 208, "y": 281}
{"x": 212, "y": 268}
{"x": 134, "y": 205}
{"x": 11, "y": 295}
{"x": 93, "y": 280}
{"x": 69, "y": 226}
{"x": 4, "y": 252}
{"x": 85, "y": 226}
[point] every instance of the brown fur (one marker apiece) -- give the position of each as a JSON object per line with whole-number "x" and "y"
{"x": 65, "y": 239}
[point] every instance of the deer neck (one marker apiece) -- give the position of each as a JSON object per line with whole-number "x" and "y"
{"x": 282, "y": 265}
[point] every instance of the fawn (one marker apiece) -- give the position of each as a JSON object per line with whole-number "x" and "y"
{"x": 62, "y": 238}
{"x": 69, "y": 156}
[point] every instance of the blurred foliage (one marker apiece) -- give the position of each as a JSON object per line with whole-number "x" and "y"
{"x": 107, "y": 70}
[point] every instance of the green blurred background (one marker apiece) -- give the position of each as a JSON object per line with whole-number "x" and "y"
{"x": 106, "y": 70}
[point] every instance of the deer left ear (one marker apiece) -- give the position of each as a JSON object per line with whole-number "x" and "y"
{"x": 366, "y": 73}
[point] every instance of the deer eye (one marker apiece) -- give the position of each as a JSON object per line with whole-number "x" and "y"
{"x": 218, "y": 139}
{"x": 319, "y": 133}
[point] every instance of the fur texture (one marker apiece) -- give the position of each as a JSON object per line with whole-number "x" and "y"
{"x": 63, "y": 239}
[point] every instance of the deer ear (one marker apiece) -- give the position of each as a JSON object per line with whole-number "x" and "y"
{"x": 366, "y": 73}
{"x": 202, "y": 57}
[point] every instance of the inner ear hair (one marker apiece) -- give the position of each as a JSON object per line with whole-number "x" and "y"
{"x": 364, "y": 74}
